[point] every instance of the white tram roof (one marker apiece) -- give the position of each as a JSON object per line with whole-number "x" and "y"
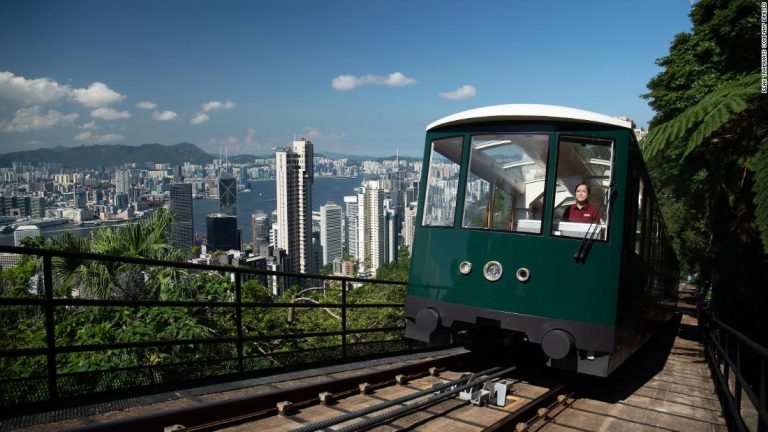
{"x": 528, "y": 112}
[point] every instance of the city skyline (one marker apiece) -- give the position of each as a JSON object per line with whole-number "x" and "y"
{"x": 354, "y": 78}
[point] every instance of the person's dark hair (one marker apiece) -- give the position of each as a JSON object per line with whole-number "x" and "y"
{"x": 589, "y": 189}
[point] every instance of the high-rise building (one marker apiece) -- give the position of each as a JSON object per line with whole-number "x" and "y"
{"x": 371, "y": 234}
{"x": 222, "y": 232}
{"x": 330, "y": 232}
{"x": 294, "y": 203}
{"x": 122, "y": 181}
{"x": 182, "y": 228}
{"x": 37, "y": 207}
{"x": 260, "y": 225}
{"x": 80, "y": 198}
{"x": 350, "y": 225}
{"x": 390, "y": 235}
{"x": 25, "y": 231}
{"x": 409, "y": 226}
{"x": 227, "y": 194}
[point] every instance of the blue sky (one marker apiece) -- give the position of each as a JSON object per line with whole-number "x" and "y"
{"x": 360, "y": 77}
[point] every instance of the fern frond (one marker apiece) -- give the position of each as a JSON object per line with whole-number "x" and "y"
{"x": 713, "y": 112}
{"x": 714, "y": 120}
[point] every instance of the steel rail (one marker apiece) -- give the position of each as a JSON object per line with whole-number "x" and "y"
{"x": 226, "y": 411}
{"x": 399, "y": 412}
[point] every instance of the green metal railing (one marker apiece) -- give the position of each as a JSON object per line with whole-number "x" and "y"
{"x": 738, "y": 368}
{"x": 52, "y": 385}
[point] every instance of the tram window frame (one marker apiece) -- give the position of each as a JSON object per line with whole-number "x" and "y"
{"x": 537, "y": 154}
{"x": 458, "y": 141}
{"x": 640, "y": 216}
{"x": 603, "y": 206}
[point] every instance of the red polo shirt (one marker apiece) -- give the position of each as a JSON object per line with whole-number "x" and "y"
{"x": 586, "y": 214}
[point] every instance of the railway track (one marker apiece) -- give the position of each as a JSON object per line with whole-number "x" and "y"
{"x": 448, "y": 393}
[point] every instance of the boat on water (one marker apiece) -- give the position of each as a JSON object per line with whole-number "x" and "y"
{"x": 90, "y": 223}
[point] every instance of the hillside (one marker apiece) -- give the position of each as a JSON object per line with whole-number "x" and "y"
{"x": 95, "y": 156}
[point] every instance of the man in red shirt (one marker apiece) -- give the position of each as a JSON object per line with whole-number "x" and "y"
{"x": 581, "y": 210}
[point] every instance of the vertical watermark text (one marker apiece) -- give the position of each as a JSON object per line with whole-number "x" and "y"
{"x": 764, "y": 47}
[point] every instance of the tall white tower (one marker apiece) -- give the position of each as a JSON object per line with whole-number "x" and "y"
{"x": 371, "y": 234}
{"x": 295, "y": 173}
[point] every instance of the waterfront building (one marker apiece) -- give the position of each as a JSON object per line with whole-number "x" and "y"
{"x": 121, "y": 200}
{"x": 227, "y": 185}
{"x": 371, "y": 233}
{"x": 330, "y": 232}
{"x": 351, "y": 225}
{"x": 23, "y": 232}
{"x": 294, "y": 169}
{"x": 222, "y": 233}
{"x": 123, "y": 181}
{"x": 260, "y": 226}
{"x": 182, "y": 228}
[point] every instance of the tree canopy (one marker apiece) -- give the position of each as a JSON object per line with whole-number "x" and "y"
{"x": 708, "y": 156}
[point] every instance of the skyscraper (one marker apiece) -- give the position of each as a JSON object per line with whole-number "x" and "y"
{"x": 227, "y": 194}
{"x": 222, "y": 232}
{"x": 122, "y": 181}
{"x": 294, "y": 166}
{"x": 182, "y": 231}
{"x": 261, "y": 225}
{"x": 350, "y": 225}
{"x": 330, "y": 232}
{"x": 371, "y": 233}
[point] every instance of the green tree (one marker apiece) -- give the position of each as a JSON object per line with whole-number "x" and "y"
{"x": 707, "y": 155}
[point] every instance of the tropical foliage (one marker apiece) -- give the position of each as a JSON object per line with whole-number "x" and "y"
{"x": 708, "y": 157}
{"x": 264, "y": 316}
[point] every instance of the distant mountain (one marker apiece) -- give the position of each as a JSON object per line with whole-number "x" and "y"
{"x": 94, "y": 156}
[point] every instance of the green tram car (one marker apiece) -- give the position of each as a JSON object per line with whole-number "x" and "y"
{"x": 495, "y": 260}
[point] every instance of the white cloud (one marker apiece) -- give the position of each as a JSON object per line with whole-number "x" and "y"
{"x": 30, "y": 91}
{"x": 199, "y": 118}
{"x": 315, "y": 134}
{"x": 462, "y": 93}
{"x": 97, "y": 95}
{"x": 164, "y": 115}
{"x": 146, "y": 105}
{"x": 89, "y": 125}
{"x": 27, "y": 119}
{"x": 109, "y": 114}
{"x": 89, "y": 137}
{"x": 216, "y": 105}
{"x": 351, "y": 82}
{"x": 250, "y": 138}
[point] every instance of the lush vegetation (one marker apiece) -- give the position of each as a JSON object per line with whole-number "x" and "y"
{"x": 708, "y": 155}
{"x": 89, "y": 371}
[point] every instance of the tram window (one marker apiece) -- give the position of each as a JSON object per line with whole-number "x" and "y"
{"x": 584, "y": 169}
{"x": 505, "y": 184}
{"x": 640, "y": 216}
{"x": 442, "y": 182}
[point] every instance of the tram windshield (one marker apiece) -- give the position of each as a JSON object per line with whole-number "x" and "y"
{"x": 505, "y": 184}
{"x": 582, "y": 198}
{"x": 442, "y": 182}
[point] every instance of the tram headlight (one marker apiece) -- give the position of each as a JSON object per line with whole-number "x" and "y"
{"x": 492, "y": 271}
{"x": 465, "y": 267}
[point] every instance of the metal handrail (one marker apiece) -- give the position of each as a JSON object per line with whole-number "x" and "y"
{"x": 48, "y": 303}
{"x": 718, "y": 344}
